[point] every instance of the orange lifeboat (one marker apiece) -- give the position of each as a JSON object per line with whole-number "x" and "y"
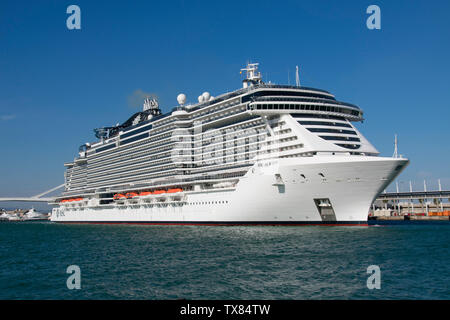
{"x": 118, "y": 196}
{"x": 131, "y": 195}
{"x": 159, "y": 192}
{"x": 174, "y": 190}
{"x": 146, "y": 196}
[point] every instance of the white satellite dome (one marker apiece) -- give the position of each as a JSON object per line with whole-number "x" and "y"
{"x": 181, "y": 98}
{"x": 211, "y": 98}
{"x": 206, "y": 96}
{"x": 200, "y": 99}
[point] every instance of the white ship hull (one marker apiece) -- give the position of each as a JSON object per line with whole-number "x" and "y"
{"x": 287, "y": 191}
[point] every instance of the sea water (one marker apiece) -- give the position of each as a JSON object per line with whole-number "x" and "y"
{"x": 210, "y": 262}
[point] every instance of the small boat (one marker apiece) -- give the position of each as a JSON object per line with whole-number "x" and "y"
{"x": 33, "y": 215}
{"x": 132, "y": 197}
{"x": 119, "y": 198}
{"x": 160, "y": 195}
{"x": 147, "y": 196}
{"x": 14, "y": 217}
{"x": 175, "y": 193}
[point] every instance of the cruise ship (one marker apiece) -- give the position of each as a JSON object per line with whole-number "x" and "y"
{"x": 264, "y": 154}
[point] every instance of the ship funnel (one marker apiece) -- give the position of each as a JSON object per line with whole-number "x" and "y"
{"x": 151, "y": 105}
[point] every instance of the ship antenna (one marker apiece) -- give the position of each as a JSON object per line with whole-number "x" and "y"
{"x": 297, "y": 77}
{"x": 253, "y": 76}
{"x": 395, "y": 155}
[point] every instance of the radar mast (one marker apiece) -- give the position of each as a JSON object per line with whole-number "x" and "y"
{"x": 252, "y": 74}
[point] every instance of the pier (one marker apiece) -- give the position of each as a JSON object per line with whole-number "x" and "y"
{"x": 434, "y": 204}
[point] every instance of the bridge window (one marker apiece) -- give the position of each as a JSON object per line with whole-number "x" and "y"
{"x": 332, "y": 130}
{"x": 340, "y": 138}
{"x": 324, "y": 123}
{"x": 349, "y": 146}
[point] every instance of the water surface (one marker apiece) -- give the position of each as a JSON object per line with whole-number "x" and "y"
{"x": 210, "y": 262}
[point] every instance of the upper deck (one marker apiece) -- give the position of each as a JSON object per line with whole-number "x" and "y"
{"x": 255, "y": 99}
{"x": 257, "y": 93}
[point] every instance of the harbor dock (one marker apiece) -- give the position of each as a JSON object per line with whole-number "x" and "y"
{"x": 423, "y": 205}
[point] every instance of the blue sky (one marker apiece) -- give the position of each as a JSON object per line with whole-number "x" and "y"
{"x": 56, "y": 84}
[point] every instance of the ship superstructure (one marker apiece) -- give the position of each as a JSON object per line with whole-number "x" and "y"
{"x": 263, "y": 154}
